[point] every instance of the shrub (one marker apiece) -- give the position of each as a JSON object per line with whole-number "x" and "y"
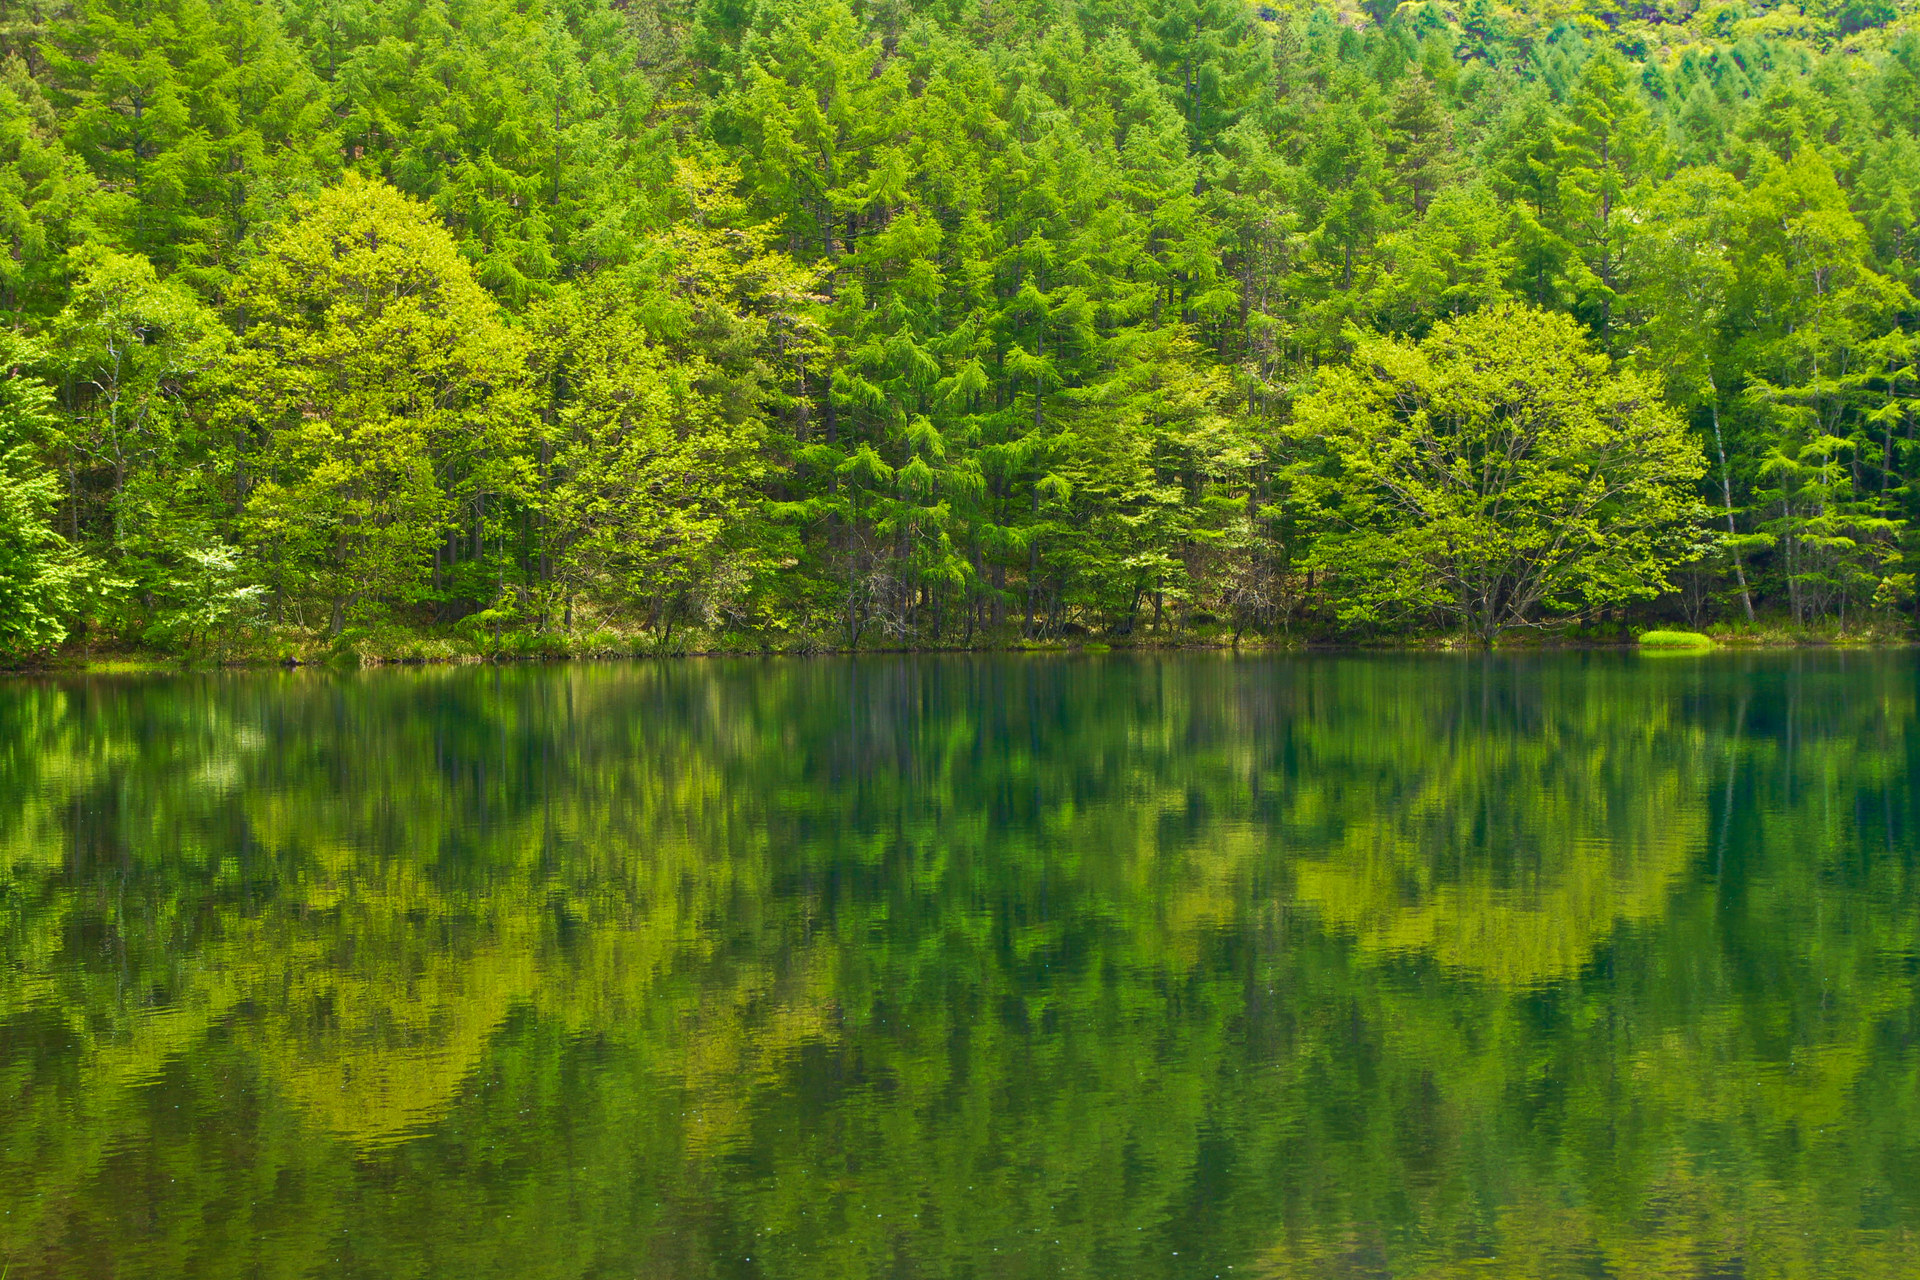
{"x": 1675, "y": 640}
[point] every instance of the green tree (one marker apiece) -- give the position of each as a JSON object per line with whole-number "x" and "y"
{"x": 1603, "y": 149}
{"x": 130, "y": 349}
{"x": 1498, "y": 474}
{"x": 1818, "y": 315}
{"x": 1210, "y": 53}
{"x": 1522, "y": 155}
{"x": 1458, "y": 257}
{"x": 44, "y": 194}
{"x": 1686, "y": 268}
{"x": 197, "y": 117}
{"x": 525, "y": 126}
{"x": 378, "y": 402}
{"x": 1419, "y": 143}
{"x": 40, "y": 575}
{"x": 1342, "y": 192}
{"x": 206, "y": 599}
{"x": 641, "y": 473}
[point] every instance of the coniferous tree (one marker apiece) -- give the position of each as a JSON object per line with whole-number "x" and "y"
{"x": 957, "y": 323}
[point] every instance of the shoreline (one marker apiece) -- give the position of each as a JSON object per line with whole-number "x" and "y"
{"x": 138, "y": 663}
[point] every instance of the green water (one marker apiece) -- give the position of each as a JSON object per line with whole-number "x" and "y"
{"x": 1582, "y": 964}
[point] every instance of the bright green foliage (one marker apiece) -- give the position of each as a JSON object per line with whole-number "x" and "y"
{"x": 1604, "y": 149}
{"x": 378, "y": 404}
{"x": 1821, "y": 357}
{"x": 40, "y": 576}
{"x": 1684, "y": 264}
{"x": 206, "y": 598}
{"x": 641, "y": 469}
{"x": 1539, "y": 967}
{"x": 1496, "y": 472}
{"x": 943, "y": 323}
{"x": 128, "y": 348}
{"x": 197, "y": 116}
{"x": 659, "y": 381}
{"x": 44, "y": 192}
{"x": 1675, "y": 640}
{"x": 524, "y": 125}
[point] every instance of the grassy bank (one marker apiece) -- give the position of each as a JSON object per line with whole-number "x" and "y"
{"x": 365, "y": 647}
{"x": 1676, "y": 641}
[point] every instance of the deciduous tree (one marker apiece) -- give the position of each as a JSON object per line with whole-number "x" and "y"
{"x": 1498, "y": 474}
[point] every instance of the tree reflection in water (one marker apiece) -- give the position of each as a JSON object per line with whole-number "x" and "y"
{"x": 1411, "y": 966}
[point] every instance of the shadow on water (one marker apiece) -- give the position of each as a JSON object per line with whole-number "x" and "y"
{"x": 1568, "y": 964}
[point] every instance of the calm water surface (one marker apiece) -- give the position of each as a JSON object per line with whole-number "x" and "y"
{"x": 1581, "y": 965}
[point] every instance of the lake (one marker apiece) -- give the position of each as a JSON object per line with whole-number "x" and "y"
{"x": 1576, "y": 964}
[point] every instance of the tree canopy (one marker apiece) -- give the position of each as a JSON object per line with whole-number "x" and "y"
{"x": 824, "y": 323}
{"x": 1497, "y": 471}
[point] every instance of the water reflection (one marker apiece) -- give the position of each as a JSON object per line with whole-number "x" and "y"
{"x": 1321, "y": 967}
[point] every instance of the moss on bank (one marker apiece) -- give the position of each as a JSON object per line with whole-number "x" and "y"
{"x": 1676, "y": 641}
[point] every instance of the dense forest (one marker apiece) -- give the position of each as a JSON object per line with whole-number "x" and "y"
{"x": 435, "y": 326}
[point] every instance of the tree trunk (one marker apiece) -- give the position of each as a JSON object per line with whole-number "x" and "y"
{"x": 1726, "y": 494}
{"x": 1033, "y": 550}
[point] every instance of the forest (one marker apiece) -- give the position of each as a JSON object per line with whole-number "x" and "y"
{"x": 427, "y": 328}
